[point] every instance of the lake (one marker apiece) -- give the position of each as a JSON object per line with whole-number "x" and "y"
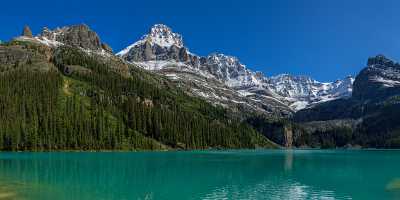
{"x": 247, "y": 174}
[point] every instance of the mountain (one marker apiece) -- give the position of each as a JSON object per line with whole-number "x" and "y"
{"x": 80, "y": 36}
{"x": 64, "y": 90}
{"x": 381, "y": 79}
{"x": 163, "y": 51}
{"x": 303, "y": 91}
{"x": 372, "y": 113}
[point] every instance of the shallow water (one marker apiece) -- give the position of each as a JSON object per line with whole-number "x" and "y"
{"x": 260, "y": 174}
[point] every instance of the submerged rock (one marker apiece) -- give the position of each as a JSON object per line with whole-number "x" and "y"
{"x": 6, "y": 195}
{"x": 394, "y": 185}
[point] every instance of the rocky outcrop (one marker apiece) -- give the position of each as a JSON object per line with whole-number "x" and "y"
{"x": 80, "y": 36}
{"x": 159, "y": 44}
{"x": 106, "y": 47}
{"x": 16, "y": 56}
{"x": 288, "y": 133}
{"x": 380, "y": 79}
{"x": 148, "y": 52}
{"x": 302, "y": 91}
{"x": 26, "y": 32}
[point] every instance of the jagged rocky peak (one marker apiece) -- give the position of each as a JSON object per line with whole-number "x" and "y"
{"x": 381, "y": 60}
{"x": 303, "y": 91}
{"x": 26, "y": 32}
{"x": 163, "y": 51}
{"x": 159, "y": 44}
{"x": 380, "y": 79}
{"x": 106, "y": 47}
{"x": 76, "y": 35}
{"x": 163, "y": 36}
{"x": 226, "y": 60}
{"x": 291, "y": 86}
{"x": 230, "y": 70}
{"x": 224, "y": 63}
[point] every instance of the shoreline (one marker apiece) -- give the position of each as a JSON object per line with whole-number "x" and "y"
{"x": 200, "y": 150}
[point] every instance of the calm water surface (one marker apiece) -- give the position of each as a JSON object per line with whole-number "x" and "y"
{"x": 260, "y": 174}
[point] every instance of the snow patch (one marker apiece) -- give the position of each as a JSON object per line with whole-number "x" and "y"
{"x": 386, "y": 82}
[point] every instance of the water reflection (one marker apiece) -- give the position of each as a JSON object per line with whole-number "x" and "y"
{"x": 198, "y": 175}
{"x": 288, "y": 160}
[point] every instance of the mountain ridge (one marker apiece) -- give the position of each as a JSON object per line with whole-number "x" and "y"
{"x": 230, "y": 71}
{"x": 140, "y": 91}
{"x": 370, "y": 117}
{"x": 76, "y": 96}
{"x": 161, "y": 47}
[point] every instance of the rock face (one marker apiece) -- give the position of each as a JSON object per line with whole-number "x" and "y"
{"x": 302, "y": 91}
{"x": 27, "y": 32}
{"x": 160, "y": 44}
{"x": 288, "y": 132}
{"x": 15, "y": 56}
{"x": 77, "y": 36}
{"x": 229, "y": 70}
{"x": 380, "y": 79}
{"x": 106, "y": 47}
{"x": 161, "y": 49}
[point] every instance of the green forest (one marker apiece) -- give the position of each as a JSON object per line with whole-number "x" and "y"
{"x": 67, "y": 99}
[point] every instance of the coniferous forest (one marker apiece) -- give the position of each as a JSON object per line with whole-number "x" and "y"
{"x": 68, "y": 99}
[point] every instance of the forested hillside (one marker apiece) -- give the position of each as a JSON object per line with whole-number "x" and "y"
{"x": 70, "y": 99}
{"x": 370, "y": 118}
{"x": 65, "y": 89}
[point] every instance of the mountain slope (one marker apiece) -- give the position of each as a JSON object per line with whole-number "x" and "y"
{"x": 303, "y": 91}
{"x": 373, "y": 110}
{"x": 277, "y": 96}
{"x": 68, "y": 92}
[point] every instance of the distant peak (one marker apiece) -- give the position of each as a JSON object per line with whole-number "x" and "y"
{"x": 349, "y": 77}
{"x": 160, "y": 28}
{"x": 290, "y": 76}
{"x": 159, "y": 34}
{"x": 223, "y": 57}
{"x": 79, "y": 35}
{"x": 27, "y": 31}
{"x": 381, "y": 60}
{"x": 163, "y": 36}
{"x": 217, "y": 54}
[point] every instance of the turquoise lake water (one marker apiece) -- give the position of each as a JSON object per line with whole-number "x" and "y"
{"x": 258, "y": 174}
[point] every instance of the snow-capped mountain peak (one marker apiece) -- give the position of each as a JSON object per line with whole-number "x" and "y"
{"x": 230, "y": 70}
{"x": 163, "y": 51}
{"x": 160, "y": 35}
{"x": 302, "y": 91}
{"x": 163, "y": 36}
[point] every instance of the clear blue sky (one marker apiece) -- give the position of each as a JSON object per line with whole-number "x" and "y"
{"x": 326, "y": 39}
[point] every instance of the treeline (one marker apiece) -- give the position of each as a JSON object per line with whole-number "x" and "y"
{"x": 85, "y": 105}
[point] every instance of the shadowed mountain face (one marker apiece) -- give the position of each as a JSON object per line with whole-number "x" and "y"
{"x": 374, "y": 86}
{"x": 373, "y": 109}
{"x": 379, "y": 80}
